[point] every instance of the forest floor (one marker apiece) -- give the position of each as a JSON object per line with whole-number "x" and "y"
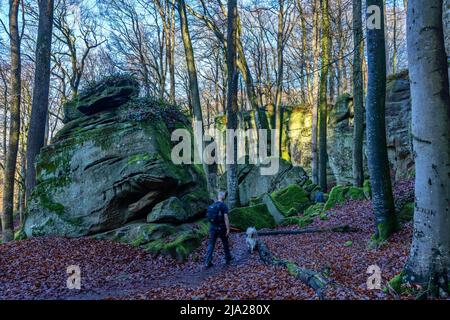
{"x": 36, "y": 268}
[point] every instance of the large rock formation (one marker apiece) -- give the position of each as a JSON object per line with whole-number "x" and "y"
{"x": 112, "y": 167}
{"x": 398, "y": 132}
{"x": 254, "y": 185}
{"x": 340, "y": 140}
{"x": 296, "y": 136}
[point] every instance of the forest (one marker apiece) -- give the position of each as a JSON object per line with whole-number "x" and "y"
{"x": 322, "y": 127}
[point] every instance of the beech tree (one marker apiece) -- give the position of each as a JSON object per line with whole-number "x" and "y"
{"x": 358, "y": 95}
{"x": 194, "y": 93}
{"x": 14, "y": 125}
{"x": 429, "y": 258}
{"x": 232, "y": 105}
{"x": 323, "y": 89}
{"x": 382, "y": 198}
{"x": 38, "y": 121}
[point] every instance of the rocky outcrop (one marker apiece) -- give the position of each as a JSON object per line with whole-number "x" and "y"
{"x": 398, "y": 126}
{"x": 398, "y": 133}
{"x": 340, "y": 140}
{"x": 170, "y": 210}
{"x": 254, "y": 185}
{"x": 109, "y": 93}
{"x": 296, "y": 135}
{"x": 105, "y": 170}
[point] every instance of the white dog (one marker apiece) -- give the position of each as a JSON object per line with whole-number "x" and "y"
{"x": 251, "y": 239}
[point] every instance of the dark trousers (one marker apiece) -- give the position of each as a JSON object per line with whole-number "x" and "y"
{"x": 214, "y": 233}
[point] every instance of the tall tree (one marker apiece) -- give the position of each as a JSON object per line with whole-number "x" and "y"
{"x": 280, "y": 69}
{"x": 232, "y": 106}
{"x": 358, "y": 95}
{"x": 394, "y": 38}
{"x": 323, "y": 89}
{"x": 313, "y": 100}
{"x": 382, "y": 198}
{"x": 38, "y": 120}
{"x": 14, "y": 125}
{"x": 79, "y": 35}
{"x": 242, "y": 64}
{"x": 429, "y": 259}
{"x": 194, "y": 93}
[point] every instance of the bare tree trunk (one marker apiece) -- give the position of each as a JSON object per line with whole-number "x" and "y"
{"x": 232, "y": 107}
{"x": 313, "y": 99}
{"x": 358, "y": 95}
{"x": 5, "y": 117}
{"x": 14, "y": 126}
{"x": 280, "y": 69}
{"x": 382, "y": 198}
{"x": 193, "y": 82}
{"x": 394, "y": 39}
{"x": 171, "y": 56}
{"x": 429, "y": 258}
{"x": 326, "y": 48}
{"x": 39, "y": 110}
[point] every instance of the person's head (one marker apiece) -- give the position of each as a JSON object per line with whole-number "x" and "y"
{"x": 221, "y": 196}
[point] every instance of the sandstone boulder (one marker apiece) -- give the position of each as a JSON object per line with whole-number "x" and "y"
{"x": 111, "y": 168}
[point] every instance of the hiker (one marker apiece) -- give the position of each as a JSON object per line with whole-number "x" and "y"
{"x": 219, "y": 228}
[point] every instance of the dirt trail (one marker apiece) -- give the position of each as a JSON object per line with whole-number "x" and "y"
{"x": 125, "y": 284}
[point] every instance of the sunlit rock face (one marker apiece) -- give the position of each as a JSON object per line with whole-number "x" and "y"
{"x": 296, "y": 134}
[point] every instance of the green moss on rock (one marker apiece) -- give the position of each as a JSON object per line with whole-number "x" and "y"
{"x": 290, "y": 200}
{"x": 167, "y": 239}
{"x": 340, "y": 194}
{"x": 256, "y": 200}
{"x": 181, "y": 243}
{"x": 255, "y": 216}
{"x": 367, "y": 189}
{"x": 314, "y": 210}
{"x": 397, "y": 283}
{"x": 407, "y": 212}
{"x": 20, "y": 235}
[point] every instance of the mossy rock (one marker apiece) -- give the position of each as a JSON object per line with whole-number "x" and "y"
{"x": 254, "y": 216}
{"x": 170, "y": 210}
{"x": 324, "y": 216}
{"x": 109, "y": 92}
{"x": 314, "y": 210}
{"x": 291, "y": 200}
{"x": 407, "y": 212}
{"x": 177, "y": 242}
{"x": 182, "y": 243}
{"x": 399, "y": 284}
{"x": 111, "y": 163}
{"x": 256, "y": 200}
{"x": 367, "y": 188}
{"x": 20, "y": 235}
{"x": 339, "y": 194}
{"x": 70, "y": 111}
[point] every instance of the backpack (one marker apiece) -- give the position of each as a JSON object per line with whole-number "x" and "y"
{"x": 215, "y": 215}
